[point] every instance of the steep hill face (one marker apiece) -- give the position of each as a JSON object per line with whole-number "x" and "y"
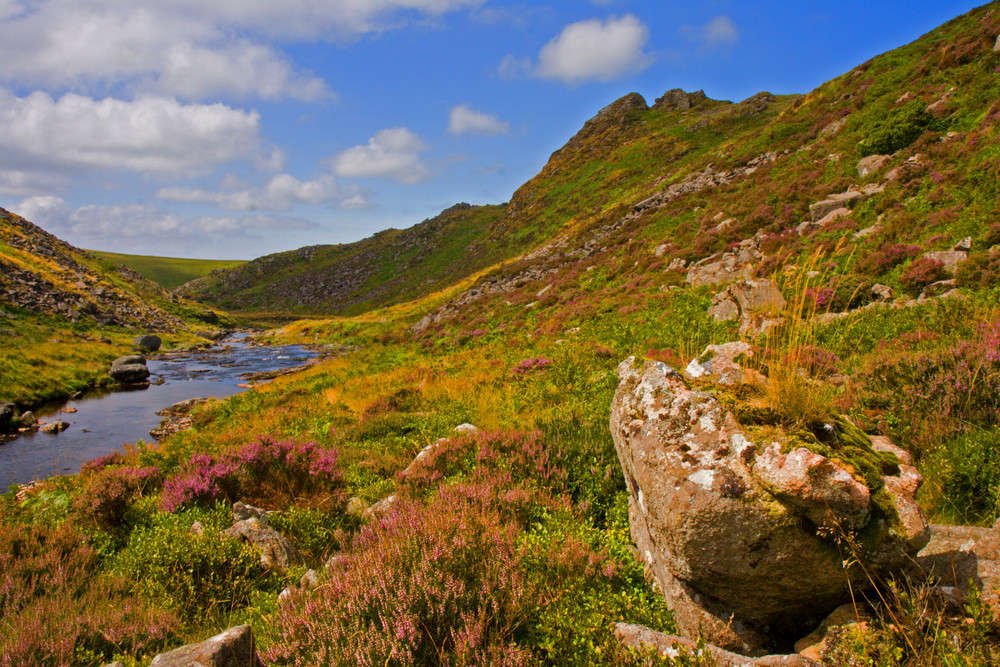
{"x": 394, "y": 265}
{"x": 43, "y": 275}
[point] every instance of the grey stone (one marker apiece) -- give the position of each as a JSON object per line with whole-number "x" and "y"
{"x": 8, "y": 411}
{"x": 233, "y": 648}
{"x": 128, "y": 369}
{"x": 28, "y": 419}
{"x": 275, "y": 550}
{"x": 147, "y": 342}
{"x": 872, "y": 163}
{"x": 54, "y": 427}
{"x": 950, "y": 258}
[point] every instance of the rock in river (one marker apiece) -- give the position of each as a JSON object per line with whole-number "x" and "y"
{"x": 129, "y": 369}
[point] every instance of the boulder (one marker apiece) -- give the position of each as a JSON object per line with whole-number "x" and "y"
{"x": 8, "y": 413}
{"x": 233, "y": 648}
{"x": 737, "y": 533}
{"x": 28, "y": 419}
{"x": 147, "y": 342}
{"x": 872, "y": 164}
{"x": 950, "y": 258}
{"x": 848, "y": 199}
{"x": 960, "y": 557}
{"x": 129, "y": 369}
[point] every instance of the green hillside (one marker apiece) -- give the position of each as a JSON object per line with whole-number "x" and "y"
{"x": 849, "y": 237}
{"x": 168, "y": 272}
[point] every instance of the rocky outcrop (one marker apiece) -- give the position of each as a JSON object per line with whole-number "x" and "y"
{"x": 872, "y": 163}
{"x": 676, "y": 98}
{"x": 960, "y": 557}
{"x": 724, "y": 364}
{"x": 129, "y": 369}
{"x": 70, "y": 289}
{"x": 233, "y": 648}
{"x": 738, "y": 534}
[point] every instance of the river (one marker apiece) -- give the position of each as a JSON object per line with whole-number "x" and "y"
{"x": 102, "y": 422}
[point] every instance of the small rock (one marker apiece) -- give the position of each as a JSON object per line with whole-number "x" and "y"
{"x": 381, "y": 508}
{"x": 28, "y": 419}
{"x": 965, "y": 245}
{"x": 275, "y": 550}
{"x": 197, "y": 529}
{"x": 813, "y": 645}
{"x": 242, "y": 512}
{"x": 356, "y": 506}
{"x": 54, "y": 427}
{"x": 465, "y": 429}
{"x": 309, "y": 580}
{"x": 882, "y": 292}
{"x": 129, "y": 369}
{"x": 950, "y": 258}
{"x": 233, "y": 648}
{"x": 872, "y": 163}
{"x": 939, "y": 288}
{"x": 996, "y": 46}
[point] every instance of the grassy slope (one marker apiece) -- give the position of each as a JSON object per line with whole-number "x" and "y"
{"x": 391, "y": 266}
{"x": 168, "y": 272}
{"x": 517, "y": 362}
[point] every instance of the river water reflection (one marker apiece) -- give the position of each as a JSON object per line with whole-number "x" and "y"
{"x": 104, "y": 422}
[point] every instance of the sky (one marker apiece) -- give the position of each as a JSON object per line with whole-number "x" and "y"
{"x": 230, "y": 129}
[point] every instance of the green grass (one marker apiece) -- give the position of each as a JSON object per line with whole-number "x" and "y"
{"x": 168, "y": 272}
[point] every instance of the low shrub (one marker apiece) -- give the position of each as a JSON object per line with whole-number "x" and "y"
{"x": 898, "y": 129}
{"x": 964, "y": 474}
{"x": 267, "y": 471}
{"x": 981, "y": 269}
{"x": 56, "y": 610}
{"x": 920, "y": 273}
{"x": 884, "y": 258}
{"x": 106, "y": 495}
{"x": 196, "y": 575}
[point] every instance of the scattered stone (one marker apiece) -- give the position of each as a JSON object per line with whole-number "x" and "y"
{"x": 906, "y": 97}
{"x": 672, "y": 646}
{"x": 936, "y": 289}
{"x": 833, "y": 216}
{"x": 718, "y": 519}
{"x": 309, "y": 580}
{"x": 960, "y": 557}
{"x": 848, "y": 199}
{"x": 129, "y": 369}
{"x": 996, "y": 46}
{"x": 147, "y": 342}
{"x": 872, "y": 163}
{"x": 275, "y": 550}
{"x": 833, "y": 127}
{"x": 210, "y": 335}
{"x": 882, "y": 292}
{"x": 722, "y": 364}
{"x": 950, "y": 258}
{"x": 381, "y": 509}
{"x": 965, "y": 245}
{"x": 242, "y": 512}
{"x": 197, "y": 529}
{"x": 54, "y": 427}
{"x": 28, "y": 420}
{"x": 465, "y": 429}
{"x": 677, "y": 264}
{"x": 233, "y": 648}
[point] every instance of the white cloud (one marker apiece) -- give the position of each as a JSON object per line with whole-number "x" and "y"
{"x": 192, "y": 49}
{"x": 393, "y": 153}
{"x": 720, "y": 31}
{"x": 280, "y": 193}
{"x": 147, "y": 228}
{"x": 150, "y": 134}
{"x": 241, "y": 70}
{"x": 512, "y": 67}
{"x": 464, "y": 119}
{"x": 595, "y": 50}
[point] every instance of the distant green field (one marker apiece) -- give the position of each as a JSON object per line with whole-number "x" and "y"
{"x": 169, "y": 272}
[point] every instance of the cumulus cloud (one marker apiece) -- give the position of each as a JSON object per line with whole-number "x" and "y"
{"x": 191, "y": 49}
{"x": 148, "y": 228}
{"x": 393, "y": 153}
{"x": 150, "y": 134}
{"x": 464, "y": 119}
{"x": 595, "y": 50}
{"x": 279, "y": 194}
{"x": 720, "y": 31}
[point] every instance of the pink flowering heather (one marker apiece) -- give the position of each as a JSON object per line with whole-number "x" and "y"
{"x": 530, "y": 365}
{"x": 107, "y": 494}
{"x": 263, "y": 470}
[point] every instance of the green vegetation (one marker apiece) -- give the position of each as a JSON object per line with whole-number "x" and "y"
{"x": 168, "y": 272}
{"x": 511, "y": 544}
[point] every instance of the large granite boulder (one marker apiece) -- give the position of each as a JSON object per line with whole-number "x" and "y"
{"x": 748, "y": 540}
{"x": 129, "y": 369}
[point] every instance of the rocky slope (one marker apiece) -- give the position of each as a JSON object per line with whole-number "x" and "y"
{"x": 43, "y": 275}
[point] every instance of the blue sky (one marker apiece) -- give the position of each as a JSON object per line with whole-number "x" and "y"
{"x": 236, "y": 128}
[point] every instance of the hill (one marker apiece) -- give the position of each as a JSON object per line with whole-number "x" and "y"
{"x": 167, "y": 272}
{"x": 464, "y": 491}
{"x": 67, "y": 313}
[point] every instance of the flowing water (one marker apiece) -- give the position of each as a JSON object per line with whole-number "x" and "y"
{"x": 104, "y": 421}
